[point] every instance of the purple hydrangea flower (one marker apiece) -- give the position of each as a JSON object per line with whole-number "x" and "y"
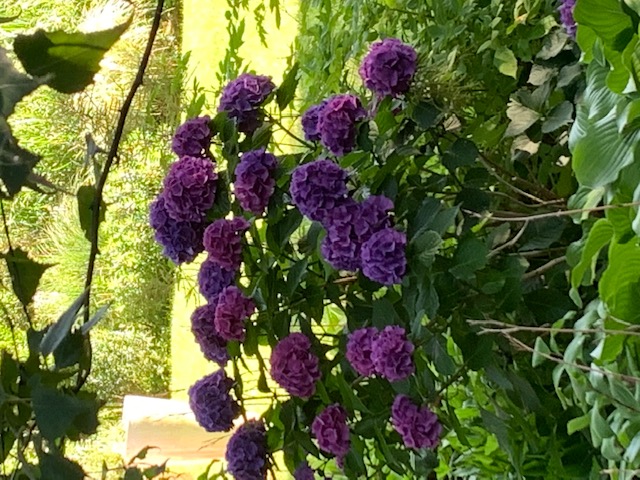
{"x": 242, "y": 97}
{"x": 418, "y": 426}
{"x": 294, "y": 366}
{"x": 190, "y": 189}
{"x": 318, "y": 187}
{"x": 389, "y": 67}
{"x": 391, "y": 354}
{"x": 310, "y": 121}
{"x": 255, "y": 180}
{"x": 337, "y": 123}
{"x": 213, "y": 346}
{"x": 373, "y": 216}
{"x": 192, "y": 138}
{"x": 303, "y": 472}
{"x": 566, "y": 17}
{"x": 341, "y": 246}
{"x": 212, "y": 404}
{"x": 246, "y": 453}
{"x": 213, "y": 279}
{"x": 181, "y": 241}
{"x": 223, "y": 241}
{"x": 360, "y": 350}
{"x": 332, "y": 432}
{"x": 232, "y": 310}
{"x": 383, "y": 256}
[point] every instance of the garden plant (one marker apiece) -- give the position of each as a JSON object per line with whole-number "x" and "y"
{"x": 441, "y": 280}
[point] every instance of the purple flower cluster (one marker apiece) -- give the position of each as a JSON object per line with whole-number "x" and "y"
{"x": 213, "y": 346}
{"x": 389, "y": 67}
{"x": 566, "y": 17}
{"x": 332, "y": 432}
{"x": 294, "y": 366}
{"x": 303, "y": 472}
{"x": 246, "y": 453}
{"x": 310, "y": 121}
{"x": 223, "y": 242}
{"x": 192, "y": 138}
{"x": 387, "y": 353}
{"x": 392, "y": 354}
{"x": 213, "y": 279}
{"x": 232, "y": 310}
{"x": 341, "y": 246}
{"x": 360, "y": 350}
{"x": 338, "y": 121}
{"x": 241, "y": 99}
{"x": 418, "y": 426}
{"x": 255, "y": 180}
{"x": 190, "y": 189}
{"x": 383, "y": 256}
{"x": 212, "y": 404}
{"x": 318, "y": 187}
{"x": 181, "y": 241}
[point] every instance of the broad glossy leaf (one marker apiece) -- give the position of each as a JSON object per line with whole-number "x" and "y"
{"x": 607, "y": 19}
{"x": 600, "y": 152}
{"x": 619, "y": 286}
{"x": 68, "y": 60}
{"x": 506, "y": 62}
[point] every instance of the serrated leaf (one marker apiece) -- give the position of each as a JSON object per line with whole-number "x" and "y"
{"x": 25, "y": 274}
{"x": 68, "y": 60}
{"x": 59, "y": 330}
{"x": 287, "y": 90}
{"x": 86, "y": 196}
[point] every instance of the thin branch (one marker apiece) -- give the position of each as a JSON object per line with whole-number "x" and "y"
{"x": 509, "y": 328}
{"x": 510, "y": 243}
{"x": 547, "y": 266}
{"x": 541, "y": 216}
{"x": 113, "y": 154}
{"x": 289, "y": 132}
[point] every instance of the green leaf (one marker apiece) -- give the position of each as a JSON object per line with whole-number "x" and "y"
{"x": 633, "y": 450}
{"x": 142, "y": 454}
{"x": 25, "y": 274}
{"x": 56, "y": 467}
{"x": 521, "y": 118}
{"x": 58, "y": 414}
{"x": 438, "y": 355}
{"x": 462, "y": 153}
{"x": 600, "y": 235}
{"x": 606, "y": 18}
{"x": 59, "y": 330}
{"x": 133, "y": 473}
{"x": 93, "y": 321}
{"x": 600, "y": 152}
{"x": 296, "y": 273}
{"x": 426, "y": 246}
{"x": 599, "y": 427}
{"x": 506, "y": 62}
{"x": 86, "y": 196}
{"x": 540, "y": 349}
{"x": 383, "y": 314}
{"x": 577, "y": 424}
{"x": 559, "y": 116}
{"x": 287, "y": 90}
{"x": 470, "y": 256}
{"x": 14, "y": 85}
{"x": 16, "y": 164}
{"x": 425, "y": 114}
{"x": 154, "y": 470}
{"x": 619, "y": 286}
{"x": 69, "y": 61}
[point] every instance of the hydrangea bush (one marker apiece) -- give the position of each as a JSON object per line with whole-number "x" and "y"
{"x": 352, "y": 258}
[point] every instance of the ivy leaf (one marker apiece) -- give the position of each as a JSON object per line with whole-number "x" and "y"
{"x": 13, "y": 85}
{"x": 68, "y": 60}
{"x": 86, "y": 196}
{"x": 25, "y": 274}
{"x": 287, "y": 90}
